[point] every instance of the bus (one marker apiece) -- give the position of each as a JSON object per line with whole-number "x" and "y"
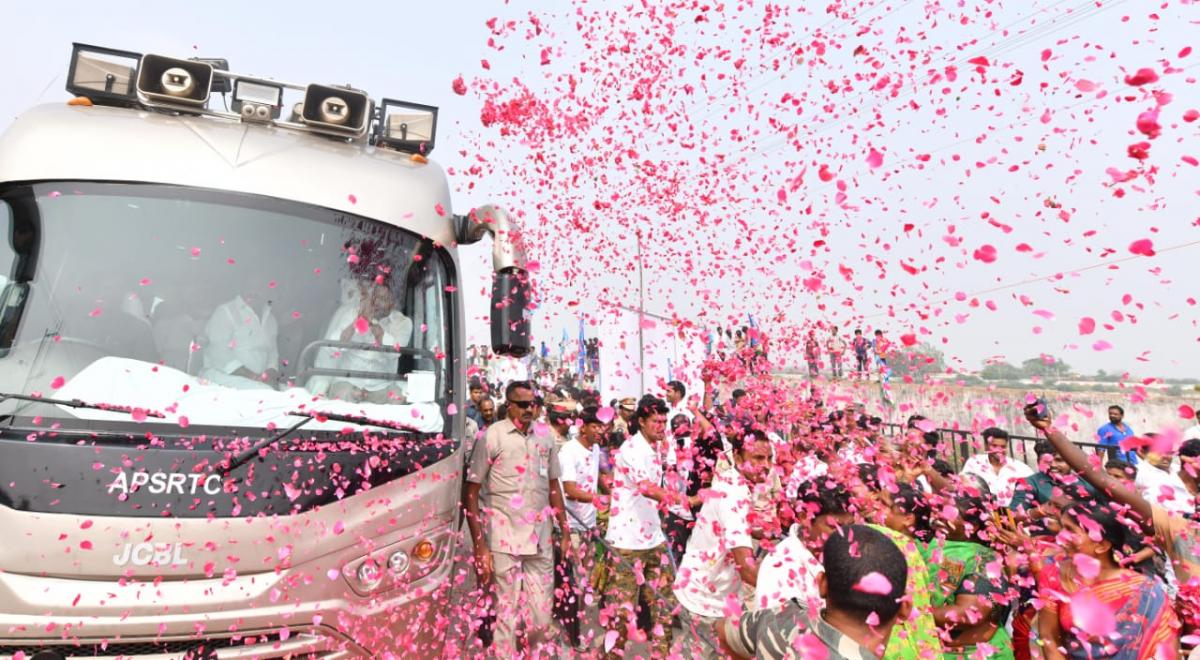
{"x": 231, "y": 384}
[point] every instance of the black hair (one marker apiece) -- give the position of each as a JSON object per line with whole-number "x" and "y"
{"x": 678, "y": 387}
{"x": 913, "y": 502}
{"x": 1117, "y": 408}
{"x": 738, "y": 440}
{"x": 868, "y": 473}
{"x": 646, "y": 406}
{"x": 858, "y": 331}
{"x": 678, "y": 420}
{"x": 1111, "y": 527}
{"x": 1118, "y": 464}
{"x": 737, "y": 394}
{"x": 1043, "y": 447}
{"x": 879, "y": 332}
{"x": 829, "y": 498}
{"x": 1190, "y": 448}
{"x": 851, "y": 555}
{"x": 993, "y": 432}
{"x": 912, "y": 420}
{"x": 517, "y": 385}
{"x": 974, "y": 513}
{"x": 943, "y": 467}
{"x": 590, "y": 415}
{"x": 475, "y": 385}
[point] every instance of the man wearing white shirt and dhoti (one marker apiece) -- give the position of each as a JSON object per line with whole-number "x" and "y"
{"x": 241, "y": 348}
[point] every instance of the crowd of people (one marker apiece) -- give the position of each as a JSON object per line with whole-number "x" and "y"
{"x": 869, "y": 355}
{"x": 768, "y": 524}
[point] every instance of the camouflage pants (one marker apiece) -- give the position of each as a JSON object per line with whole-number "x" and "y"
{"x": 644, "y": 575}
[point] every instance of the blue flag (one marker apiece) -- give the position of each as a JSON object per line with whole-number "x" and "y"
{"x": 582, "y": 350}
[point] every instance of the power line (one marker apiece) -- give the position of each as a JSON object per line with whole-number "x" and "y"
{"x": 1054, "y": 276}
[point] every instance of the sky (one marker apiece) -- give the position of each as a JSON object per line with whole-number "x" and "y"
{"x": 957, "y": 174}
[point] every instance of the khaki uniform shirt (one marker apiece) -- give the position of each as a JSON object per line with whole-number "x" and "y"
{"x": 515, "y": 470}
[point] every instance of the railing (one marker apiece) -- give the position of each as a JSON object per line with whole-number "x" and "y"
{"x": 962, "y": 446}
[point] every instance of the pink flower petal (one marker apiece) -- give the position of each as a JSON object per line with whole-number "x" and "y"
{"x": 874, "y": 583}
{"x": 1088, "y": 567}
{"x": 1142, "y": 77}
{"x": 985, "y": 253}
{"x": 809, "y": 646}
{"x": 606, "y": 414}
{"x": 1091, "y": 615}
{"x": 1087, "y": 325}
{"x": 57, "y": 382}
{"x": 362, "y": 326}
{"x": 1142, "y": 246}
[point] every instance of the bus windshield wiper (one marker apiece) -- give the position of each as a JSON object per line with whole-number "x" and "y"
{"x": 73, "y": 403}
{"x": 305, "y": 417}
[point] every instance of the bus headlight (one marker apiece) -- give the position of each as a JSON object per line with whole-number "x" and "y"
{"x": 394, "y": 565}
{"x": 398, "y": 563}
{"x": 369, "y": 575}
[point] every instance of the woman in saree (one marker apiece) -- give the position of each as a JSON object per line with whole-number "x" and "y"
{"x": 971, "y": 595}
{"x": 1093, "y": 606}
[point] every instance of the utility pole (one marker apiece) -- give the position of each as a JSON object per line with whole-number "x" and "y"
{"x": 641, "y": 317}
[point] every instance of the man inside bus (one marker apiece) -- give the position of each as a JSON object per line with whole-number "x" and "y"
{"x": 241, "y": 349}
{"x": 366, "y": 305}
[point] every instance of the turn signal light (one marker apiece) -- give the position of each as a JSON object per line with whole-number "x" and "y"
{"x": 423, "y": 551}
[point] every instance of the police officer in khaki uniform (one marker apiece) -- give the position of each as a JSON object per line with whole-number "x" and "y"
{"x": 561, "y": 415}
{"x": 521, "y": 471}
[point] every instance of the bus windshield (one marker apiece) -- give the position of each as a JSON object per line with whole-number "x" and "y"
{"x": 195, "y": 307}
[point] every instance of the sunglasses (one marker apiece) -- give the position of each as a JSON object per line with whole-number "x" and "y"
{"x": 523, "y": 405}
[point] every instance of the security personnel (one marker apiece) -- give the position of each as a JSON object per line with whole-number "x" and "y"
{"x": 521, "y": 471}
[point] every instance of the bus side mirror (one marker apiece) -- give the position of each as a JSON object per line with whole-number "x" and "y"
{"x": 510, "y": 301}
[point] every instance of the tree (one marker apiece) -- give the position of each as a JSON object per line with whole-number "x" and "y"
{"x": 1046, "y": 367}
{"x": 918, "y": 361}
{"x": 1000, "y": 371}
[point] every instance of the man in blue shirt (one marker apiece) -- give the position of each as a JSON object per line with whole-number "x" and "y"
{"x": 1116, "y": 430}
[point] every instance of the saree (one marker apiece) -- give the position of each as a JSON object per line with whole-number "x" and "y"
{"x": 1146, "y": 624}
{"x": 917, "y": 637}
{"x": 960, "y": 568}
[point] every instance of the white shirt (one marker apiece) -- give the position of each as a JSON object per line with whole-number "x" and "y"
{"x": 581, "y": 466}
{"x": 707, "y": 575}
{"x": 1163, "y": 488}
{"x": 679, "y": 409}
{"x": 633, "y": 522}
{"x": 809, "y": 467}
{"x": 397, "y": 331}
{"x": 238, "y": 337}
{"x": 1192, "y": 433}
{"x": 790, "y": 571}
{"x": 1002, "y": 484}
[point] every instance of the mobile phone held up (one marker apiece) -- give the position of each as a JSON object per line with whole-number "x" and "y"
{"x": 1039, "y": 407}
